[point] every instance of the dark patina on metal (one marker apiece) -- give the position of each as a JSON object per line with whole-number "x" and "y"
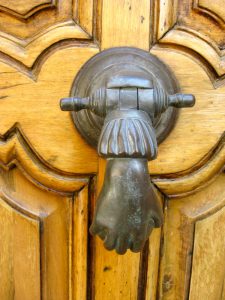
{"x": 123, "y": 102}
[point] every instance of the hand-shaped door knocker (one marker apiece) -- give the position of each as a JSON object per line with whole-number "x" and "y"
{"x": 124, "y": 100}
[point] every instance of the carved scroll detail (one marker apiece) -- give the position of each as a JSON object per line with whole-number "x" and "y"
{"x": 27, "y": 9}
{"x": 210, "y": 8}
{"x": 27, "y": 52}
{"x": 16, "y": 151}
{"x": 183, "y": 26}
{"x": 200, "y": 175}
{"x": 36, "y": 26}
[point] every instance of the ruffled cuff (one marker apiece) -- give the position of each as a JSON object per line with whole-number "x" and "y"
{"x": 128, "y": 133}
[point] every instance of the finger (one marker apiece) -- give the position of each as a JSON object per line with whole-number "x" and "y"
{"x": 102, "y": 234}
{"x": 150, "y": 227}
{"x": 130, "y": 241}
{"x": 94, "y": 229}
{"x": 151, "y": 223}
{"x": 158, "y": 221}
{"x": 137, "y": 245}
{"x": 121, "y": 244}
{"x": 147, "y": 232}
{"x": 98, "y": 230}
{"x": 110, "y": 241}
{"x": 157, "y": 218}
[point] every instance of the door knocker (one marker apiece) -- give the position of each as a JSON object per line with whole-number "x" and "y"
{"x": 124, "y": 102}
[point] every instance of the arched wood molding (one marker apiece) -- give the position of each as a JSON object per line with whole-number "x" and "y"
{"x": 33, "y": 27}
{"x": 211, "y": 60}
{"x": 28, "y": 52}
{"x": 15, "y": 150}
{"x": 195, "y": 178}
{"x": 216, "y": 79}
{"x": 34, "y": 70}
{"x": 173, "y": 30}
{"x": 18, "y": 208}
{"x": 30, "y": 11}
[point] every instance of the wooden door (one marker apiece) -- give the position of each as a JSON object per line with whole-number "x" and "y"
{"x": 48, "y": 172}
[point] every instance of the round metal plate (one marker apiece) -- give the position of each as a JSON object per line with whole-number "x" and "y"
{"x": 121, "y": 61}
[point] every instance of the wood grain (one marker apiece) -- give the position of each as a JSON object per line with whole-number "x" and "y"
{"x": 208, "y": 258}
{"x": 196, "y": 27}
{"x": 167, "y": 17}
{"x": 178, "y": 263}
{"x": 15, "y": 151}
{"x": 27, "y": 28}
{"x": 202, "y": 133}
{"x": 210, "y": 7}
{"x": 35, "y": 106}
{"x": 116, "y": 277}
{"x": 24, "y": 9}
{"x": 85, "y": 15}
{"x": 153, "y": 259}
{"x": 19, "y": 239}
{"x": 198, "y": 129}
{"x": 46, "y": 204}
{"x": 28, "y": 52}
{"x": 190, "y": 181}
{"x": 38, "y": 228}
{"x": 128, "y": 24}
{"x": 79, "y": 265}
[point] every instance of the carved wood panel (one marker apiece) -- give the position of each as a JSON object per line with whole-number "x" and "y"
{"x": 19, "y": 239}
{"x": 192, "y": 265}
{"x": 43, "y": 243}
{"x": 46, "y": 251}
{"x": 28, "y": 27}
{"x": 46, "y": 73}
{"x": 35, "y": 252}
{"x": 47, "y": 168}
{"x": 197, "y": 28}
{"x": 208, "y": 258}
{"x": 23, "y": 9}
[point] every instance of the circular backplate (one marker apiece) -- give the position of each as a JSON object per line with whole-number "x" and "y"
{"x": 121, "y": 61}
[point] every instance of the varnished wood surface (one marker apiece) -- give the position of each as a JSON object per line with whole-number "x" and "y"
{"x": 19, "y": 239}
{"x": 195, "y": 27}
{"x": 35, "y": 254}
{"x": 193, "y": 249}
{"x": 208, "y": 255}
{"x": 128, "y": 26}
{"x": 51, "y": 77}
{"x": 201, "y": 134}
{"x": 48, "y": 184}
